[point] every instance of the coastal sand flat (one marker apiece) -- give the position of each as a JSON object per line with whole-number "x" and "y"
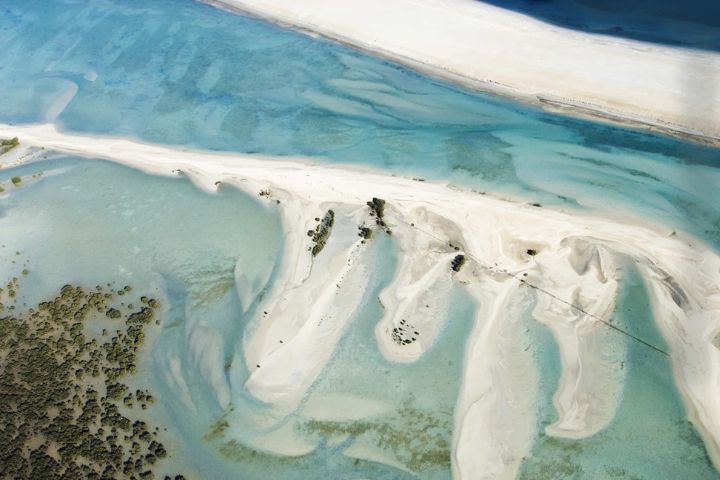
{"x": 572, "y": 262}
{"x": 676, "y": 90}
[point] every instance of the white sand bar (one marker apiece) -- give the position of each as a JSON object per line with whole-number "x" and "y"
{"x": 676, "y": 90}
{"x": 515, "y": 253}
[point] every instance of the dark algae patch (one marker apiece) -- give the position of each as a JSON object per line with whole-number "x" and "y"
{"x": 417, "y": 438}
{"x": 65, "y": 411}
{"x": 233, "y": 450}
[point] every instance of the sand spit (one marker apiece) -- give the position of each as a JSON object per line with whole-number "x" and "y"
{"x": 516, "y": 253}
{"x": 591, "y": 362}
{"x": 674, "y": 90}
{"x": 416, "y": 299}
{"x": 304, "y": 309}
{"x": 495, "y": 413}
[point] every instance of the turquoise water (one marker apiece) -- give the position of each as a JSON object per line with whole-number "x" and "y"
{"x": 179, "y": 72}
{"x": 649, "y": 437}
{"x": 88, "y": 222}
{"x": 91, "y": 222}
{"x": 416, "y": 428}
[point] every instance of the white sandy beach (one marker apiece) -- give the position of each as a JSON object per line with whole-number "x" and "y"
{"x": 314, "y": 297}
{"x": 675, "y": 90}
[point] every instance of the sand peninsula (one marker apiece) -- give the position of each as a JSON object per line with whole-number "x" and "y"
{"x": 511, "y": 253}
{"x": 668, "y": 89}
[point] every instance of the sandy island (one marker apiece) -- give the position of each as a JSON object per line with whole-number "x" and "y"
{"x": 673, "y": 90}
{"x": 514, "y": 253}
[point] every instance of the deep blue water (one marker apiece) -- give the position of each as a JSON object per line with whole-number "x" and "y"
{"x": 692, "y": 23}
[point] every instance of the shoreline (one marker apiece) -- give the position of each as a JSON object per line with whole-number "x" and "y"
{"x": 655, "y": 88}
{"x": 570, "y": 264}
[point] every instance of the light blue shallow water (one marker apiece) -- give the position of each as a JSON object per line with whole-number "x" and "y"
{"x": 180, "y": 72}
{"x": 649, "y": 437}
{"x": 177, "y": 71}
{"x": 88, "y": 222}
{"x": 91, "y": 222}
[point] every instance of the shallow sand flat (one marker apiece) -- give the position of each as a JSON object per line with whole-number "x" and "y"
{"x": 676, "y": 90}
{"x": 571, "y": 263}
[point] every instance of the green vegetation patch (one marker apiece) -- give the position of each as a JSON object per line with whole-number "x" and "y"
{"x": 377, "y": 209}
{"x": 364, "y": 232}
{"x": 8, "y": 144}
{"x": 322, "y": 232}
{"x": 60, "y": 390}
{"x": 457, "y": 262}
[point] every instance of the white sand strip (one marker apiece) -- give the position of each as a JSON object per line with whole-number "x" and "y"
{"x": 495, "y": 414}
{"x": 672, "y": 89}
{"x": 592, "y": 378}
{"x": 688, "y": 319}
{"x": 294, "y": 270}
{"x": 298, "y": 335}
{"x": 62, "y": 101}
{"x": 682, "y": 272}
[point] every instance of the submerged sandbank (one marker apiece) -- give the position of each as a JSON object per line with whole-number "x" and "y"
{"x": 673, "y": 90}
{"x": 513, "y": 252}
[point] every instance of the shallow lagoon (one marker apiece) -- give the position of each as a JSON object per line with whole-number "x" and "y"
{"x": 181, "y": 72}
{"x": 649, "y": 436}
{"x": 88, "y": 221}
